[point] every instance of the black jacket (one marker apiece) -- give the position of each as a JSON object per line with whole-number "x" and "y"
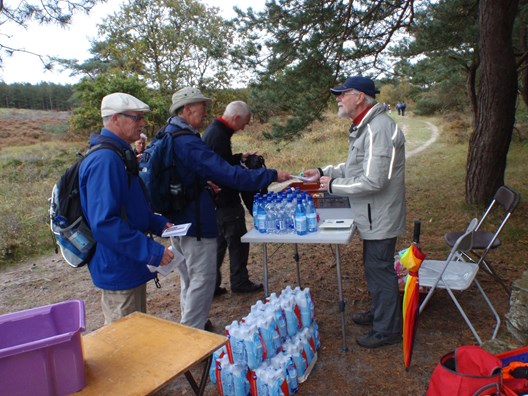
{"x": 218, "y": 137}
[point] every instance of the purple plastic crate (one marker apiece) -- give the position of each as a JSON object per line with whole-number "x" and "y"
{"x": 41, "y": 350}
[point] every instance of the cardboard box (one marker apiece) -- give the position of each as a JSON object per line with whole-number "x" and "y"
{"x": 321, "y": 199}
{"x": 41, "y": 350}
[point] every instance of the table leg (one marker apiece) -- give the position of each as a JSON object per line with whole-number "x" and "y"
{"x": 265, "y": 258}
{"x": 205, "y": 375}
{"x": 341, "y": 303}
{"x": 296, "y": 258}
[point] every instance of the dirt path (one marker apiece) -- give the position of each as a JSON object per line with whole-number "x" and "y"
{"x": 359, "y": 371}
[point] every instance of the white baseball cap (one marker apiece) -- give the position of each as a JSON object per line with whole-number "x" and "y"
{"x": 120, "y": 102}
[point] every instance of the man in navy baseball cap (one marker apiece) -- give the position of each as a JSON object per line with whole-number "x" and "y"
{"x": 359, "y": 83}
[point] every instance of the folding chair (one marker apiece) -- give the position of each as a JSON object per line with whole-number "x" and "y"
{"x": 485, "y": 240}
{"x": 455, "y": 274}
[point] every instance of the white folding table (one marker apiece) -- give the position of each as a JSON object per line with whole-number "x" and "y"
{"x": 334, "y": 237}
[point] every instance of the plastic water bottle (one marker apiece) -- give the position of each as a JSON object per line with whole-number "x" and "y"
{"x": 256, "y": 198}
{"x": 261, "y": 216}
{"x": 270, "y": 216}
{"x": 240, "y": 381}
{"x": 289, "y": 210}
{"x": 301, "y": 227}
{"x": 293, "y": 384}
{"x": 311, "y": 214}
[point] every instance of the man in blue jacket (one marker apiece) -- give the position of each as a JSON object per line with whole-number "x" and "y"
{"x": 198, "y": 164}
{"x": 118, "y": 213}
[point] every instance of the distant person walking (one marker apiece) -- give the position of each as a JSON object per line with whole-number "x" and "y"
{"x": 230, "y": 214}
{"x": 398, "y": 107}
{"x": 403, "y": 107}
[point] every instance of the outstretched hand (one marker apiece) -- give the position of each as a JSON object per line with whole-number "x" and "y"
{"x": 311, "y": 174}
{"x": 283, "y": 175}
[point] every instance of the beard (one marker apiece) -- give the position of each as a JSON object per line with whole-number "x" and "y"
{"x": 342, "y": 112}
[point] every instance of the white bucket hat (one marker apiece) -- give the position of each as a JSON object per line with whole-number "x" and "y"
{"x": 187, "y": 95}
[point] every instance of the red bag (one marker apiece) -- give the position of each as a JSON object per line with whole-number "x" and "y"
{"x": 467, "y": 371}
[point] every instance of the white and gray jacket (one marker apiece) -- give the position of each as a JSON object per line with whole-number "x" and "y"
{"x": 373, "y": 177}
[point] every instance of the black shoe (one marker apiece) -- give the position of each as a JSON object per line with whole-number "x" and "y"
{"x": 220, "y": 290}
{"x": 209, "y": 326}
{"x": 363, "y": 318}
{"x": 248, "y": 287}
{"x": 374, "y": 339}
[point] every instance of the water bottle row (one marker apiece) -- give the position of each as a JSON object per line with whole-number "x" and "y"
{"x": 261, "y": 334}
{"x": 281, "y": 213}
{"x": 278, "y": 376}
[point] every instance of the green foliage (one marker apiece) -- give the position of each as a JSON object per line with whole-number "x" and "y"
{"x": 87, "y": 117}
{"x": 42, "y": 96}
{"x": 169, "y": 44}
{"x": 303, "y": 48}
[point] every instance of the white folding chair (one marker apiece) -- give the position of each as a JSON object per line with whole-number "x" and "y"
{"x": 486, "y": 235}
{"x": 455, "y": 274}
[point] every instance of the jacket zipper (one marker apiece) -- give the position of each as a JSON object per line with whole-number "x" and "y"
{"x": 370, "y": 217}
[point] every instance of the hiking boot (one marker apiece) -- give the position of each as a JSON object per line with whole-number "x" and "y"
{"x": 363, "y": 318}
{"x": 209, "y": 326}
{"x": 374, "y": 339}
{"x": 220, "y": 291}
{"x": 248, "y": 287}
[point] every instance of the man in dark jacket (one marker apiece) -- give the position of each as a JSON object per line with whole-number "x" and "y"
{"x": 230, "y": 214}
{"x": 197, "y": 164}
{"x": 118, "y": 213}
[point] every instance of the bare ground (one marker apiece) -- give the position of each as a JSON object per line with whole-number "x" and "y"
{"x": 356, "y": 372}
{"x": 359, "y": 371}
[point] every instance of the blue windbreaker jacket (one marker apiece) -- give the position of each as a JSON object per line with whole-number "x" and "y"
{"x": 196, "y": 164}
{"x": 118, "y": 213}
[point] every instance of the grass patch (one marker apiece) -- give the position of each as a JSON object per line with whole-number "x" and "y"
{"x": 435, "y": 182}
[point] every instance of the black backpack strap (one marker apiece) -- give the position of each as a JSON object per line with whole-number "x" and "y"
{"x": 127, "y": 156}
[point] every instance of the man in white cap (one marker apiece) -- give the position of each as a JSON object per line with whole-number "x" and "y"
{"x": 197, "y": 164}
{"x": 118, "y": 213}
{"x": 373, "y": 177}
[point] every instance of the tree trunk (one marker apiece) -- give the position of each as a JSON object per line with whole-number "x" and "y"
{"x": 491, "y": 137}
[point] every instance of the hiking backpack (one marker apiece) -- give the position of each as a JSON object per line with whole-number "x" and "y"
{"x": 68, "y": 225}
{"x": 158, "y": 170}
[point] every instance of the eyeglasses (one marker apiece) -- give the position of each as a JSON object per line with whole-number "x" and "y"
{"x": 350, "y": 93}
{"x": 136, "y": 118}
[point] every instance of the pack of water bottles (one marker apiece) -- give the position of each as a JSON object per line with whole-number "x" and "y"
{"x": 271, "y": 350}
{"x": 285, "y": 212}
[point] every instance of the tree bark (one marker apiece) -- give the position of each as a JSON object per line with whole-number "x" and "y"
{"x": 497, "y": 91}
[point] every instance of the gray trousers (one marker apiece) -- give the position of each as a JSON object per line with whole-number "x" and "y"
{"x": 197, "y": 278}
{"x": 231, "y": 227}
{"x": 382, "y": 282}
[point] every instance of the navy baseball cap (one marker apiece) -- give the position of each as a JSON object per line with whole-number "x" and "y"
{"x": 359, "y": 83}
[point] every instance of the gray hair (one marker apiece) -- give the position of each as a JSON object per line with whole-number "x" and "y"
{"x": 237, "y": 108}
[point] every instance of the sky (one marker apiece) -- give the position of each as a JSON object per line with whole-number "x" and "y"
{"x": 72, "y": 42}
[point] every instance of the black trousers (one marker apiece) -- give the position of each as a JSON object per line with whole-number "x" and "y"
{"x": 231, "y": 226}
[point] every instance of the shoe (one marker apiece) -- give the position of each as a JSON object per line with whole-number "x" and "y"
{"x": 363, "y": 318}
{"x": 374, "y": 339}
{"x": 248, "y": 287}
{"x": 209, "y": 326}
{"x": 219, "y": 291}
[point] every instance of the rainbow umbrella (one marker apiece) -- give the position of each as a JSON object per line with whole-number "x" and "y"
{"x": 411, "y": 258}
